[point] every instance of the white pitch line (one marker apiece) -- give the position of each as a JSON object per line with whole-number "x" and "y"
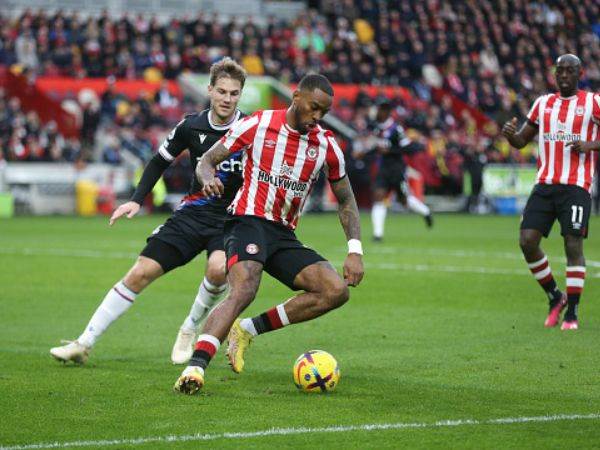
{"x": 463, "y": 254}
{"x": 303, "y": 430}
{"x": 99, "y": 254}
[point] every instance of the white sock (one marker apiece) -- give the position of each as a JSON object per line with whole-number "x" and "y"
{"x": 208, "y": 295}
{"x": 416, "y": 205}
{"x": 118, "y": 300}
{"x": 378, "y": 213}
{"x": 248, "y": 325}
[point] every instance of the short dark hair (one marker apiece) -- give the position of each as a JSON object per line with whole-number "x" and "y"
{"x": 227, "y": 68}
{"x": 315, "y": 81}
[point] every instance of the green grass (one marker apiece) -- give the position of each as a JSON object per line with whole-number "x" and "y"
{"x": 425, "y": 338}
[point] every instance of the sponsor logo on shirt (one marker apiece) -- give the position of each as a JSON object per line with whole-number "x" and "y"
{"x": 562, "y": 137}
{"x": 297, "y": 187}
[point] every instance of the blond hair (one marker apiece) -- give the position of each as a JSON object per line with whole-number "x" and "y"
{"x": 227, "y": 67}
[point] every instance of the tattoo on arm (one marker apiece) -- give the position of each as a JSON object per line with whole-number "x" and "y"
{"x": 205, "y": 170}
{"x": 347, "y": 209}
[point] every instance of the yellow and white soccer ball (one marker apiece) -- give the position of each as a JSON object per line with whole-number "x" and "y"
{"x": 316, "y": 371}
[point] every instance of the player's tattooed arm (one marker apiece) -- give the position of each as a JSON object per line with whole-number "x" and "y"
{"x": 205, "y": 170}
{"x": 347, "y": 209}
{"x": 350, "y": 219}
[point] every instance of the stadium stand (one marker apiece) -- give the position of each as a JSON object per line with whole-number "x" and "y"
{"x": 494, "y": 56}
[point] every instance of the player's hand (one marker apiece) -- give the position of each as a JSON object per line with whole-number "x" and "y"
{"x": 213, "y": 187}
{"x": 353, "y": 269}
{"x": 510, "y": 128}
{"x": 583, "y": 146}
{"x": 130, "y": 209}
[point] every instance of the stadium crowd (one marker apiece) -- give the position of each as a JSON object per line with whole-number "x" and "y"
{"x": 495, "y": 55}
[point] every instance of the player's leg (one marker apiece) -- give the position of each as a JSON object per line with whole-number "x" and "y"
{"x": 246, "y": 245}
{"x": 212, "y": 288}
{"x": 324, "y": 290}
{"x": 574, "y": 213}
{"x": 115, "y": 303}
{"x": 575, "y": 279}
{"x": 538, "y": 218}
{"x": 379, "y": 212}
{"x": 244, "y": 280}
{"x": 412, "y": 203}
{"x": 156, "y": 259}
{"x": 299, "y": 268}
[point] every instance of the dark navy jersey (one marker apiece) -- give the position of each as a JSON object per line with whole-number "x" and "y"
{"x": 197, "y": 133}
{"x": 391, "y": 135}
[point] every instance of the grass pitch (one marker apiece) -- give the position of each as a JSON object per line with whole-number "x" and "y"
{"x": 447, "y": 325}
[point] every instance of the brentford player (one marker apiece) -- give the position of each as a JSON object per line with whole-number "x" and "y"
{"x": 567, "y": 127}
{"x": 283, "y": 152}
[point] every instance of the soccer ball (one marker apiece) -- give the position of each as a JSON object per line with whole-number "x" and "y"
{"x": 316, "y": 371}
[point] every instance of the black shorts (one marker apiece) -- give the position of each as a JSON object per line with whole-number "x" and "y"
{"x": 188, "y": 232}
{"x": 569, "y": 204}
{"x": 275, "y": 246}
{"x": 391, "y": 178}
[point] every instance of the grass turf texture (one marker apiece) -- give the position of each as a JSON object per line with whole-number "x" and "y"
{"x": 424, "y": 338}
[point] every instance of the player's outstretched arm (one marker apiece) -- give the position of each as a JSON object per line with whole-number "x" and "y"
{"x": 350, "y": 220}
{"x": 152, "y": 173}
{"x": 205, "y": 170}
{"x": 520, "y": 138}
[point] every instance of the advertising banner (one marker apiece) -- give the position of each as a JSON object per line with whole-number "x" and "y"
{"x": 508, "y": 180}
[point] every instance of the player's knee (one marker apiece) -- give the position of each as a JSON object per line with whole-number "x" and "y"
{"x": 337, "y": 293}
{"x": 573, "y": 247}
{"x": 527, "y": 243}
{"x": 379, "y": 197}
{"x": 215, "y": 268}
{"x": 215, "y": 274}
{"x": 141, "y": 275}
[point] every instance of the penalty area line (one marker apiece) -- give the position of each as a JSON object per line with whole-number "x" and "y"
{"x": 306, "y": 430}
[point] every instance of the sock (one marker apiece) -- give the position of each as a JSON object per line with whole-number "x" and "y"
{"x": 416, "y": 205}
{"x": 208, "y": 295}
{"x": 378, "y": 213}
{"x": 543, "y": 274}
{"x": 271, "y": 320}
{"x": 204, "y": 350}
{"x": 118, "y": 300}
{"x": 575, "y": 281}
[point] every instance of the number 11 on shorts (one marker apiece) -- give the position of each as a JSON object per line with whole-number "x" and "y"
{"x": 577, "y": 214}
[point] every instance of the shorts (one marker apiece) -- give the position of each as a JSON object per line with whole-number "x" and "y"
{"x": 187, "y": 233}
{"x": 570, "y": 204}
{"x": 391, "y": 178}
{"x": 250, "y": 238}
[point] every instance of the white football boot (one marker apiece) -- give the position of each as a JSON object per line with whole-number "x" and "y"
{"x": 184, "y": 346}
{"x": 71, "y": 351}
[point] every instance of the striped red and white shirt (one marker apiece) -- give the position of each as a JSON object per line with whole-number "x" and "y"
{"x": 561, "y": 120}
{"x": 280, "y": 165}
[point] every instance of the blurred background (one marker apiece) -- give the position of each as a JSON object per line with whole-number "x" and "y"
{"x": 89, "y": 89}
